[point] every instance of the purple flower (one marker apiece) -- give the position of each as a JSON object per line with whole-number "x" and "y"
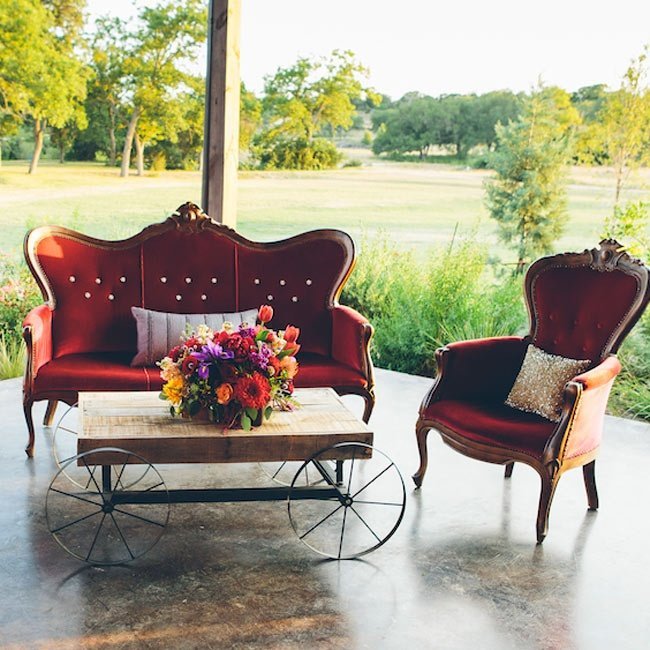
{"x": 212, "y": 351}
{"x": 260, "y": 358}
{"x": 204, "y": 371}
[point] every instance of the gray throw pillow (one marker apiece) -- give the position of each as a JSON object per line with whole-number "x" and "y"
{"x": 540, "y": 383}
{"x": 159, "y": 332}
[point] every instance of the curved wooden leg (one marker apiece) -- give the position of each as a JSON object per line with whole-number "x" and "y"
{"x": 49, "y": 413}
{"x": 369, "y": 399}
{"x": 27, "y": 408}
{"x": 549, "y": 483}
{"x": 589, "y": 475}
{"x": 421, "y": 433}
{"x": 509, "y": 468}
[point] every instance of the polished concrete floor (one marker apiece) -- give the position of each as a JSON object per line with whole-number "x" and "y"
{"x": 462, "y": 570}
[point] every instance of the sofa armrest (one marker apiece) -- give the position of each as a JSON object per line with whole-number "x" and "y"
{"x": 37, "y": 332}
{"x": 589, "y": 393}
{"x": 479, "y": 369}
{"x": 351, "y": 334}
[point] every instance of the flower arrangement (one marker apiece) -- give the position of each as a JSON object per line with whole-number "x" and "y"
{"x": 236, "y": 375}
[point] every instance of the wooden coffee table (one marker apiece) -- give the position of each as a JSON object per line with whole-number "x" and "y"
{"x": 98, "y": 503}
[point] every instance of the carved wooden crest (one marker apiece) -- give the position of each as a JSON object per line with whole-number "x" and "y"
{"x": 190, "y": 218}
{"x": 609, "y": 255}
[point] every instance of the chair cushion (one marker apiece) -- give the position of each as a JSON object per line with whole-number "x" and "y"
{"x": 493, "y": 424}
{"x": 159, "y": 331}
{"x": 540, "y": 383}
{"x": 111, "y": 371}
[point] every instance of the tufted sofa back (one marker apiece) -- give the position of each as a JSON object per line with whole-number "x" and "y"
{"x": 583, "y": 304}
{"x": 187, "y": 264}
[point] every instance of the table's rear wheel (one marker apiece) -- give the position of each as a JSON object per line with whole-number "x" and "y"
{"x": 364, "y": 511}
{"x": 285, "y": 471}
{"x": 86, "y": 512}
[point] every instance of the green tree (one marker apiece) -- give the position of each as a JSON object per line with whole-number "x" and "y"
{"x": 250, "y": 117}
{"x": 527, "y": 197}
{"x": 626, "y": 123}
{"x": 590, "y": 146}
{"x": 306, "y": 100}
{"x": 166, "y": 41}
{"x": 42, "y": 77}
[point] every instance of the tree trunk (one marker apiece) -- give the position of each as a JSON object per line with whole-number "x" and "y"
{"x": 112, "y": 152}
{"x": 139, "y": 155}
{"x": 128, "y": 142}
{"x": 39, "y": 131}
{"x": 61, "y": 152}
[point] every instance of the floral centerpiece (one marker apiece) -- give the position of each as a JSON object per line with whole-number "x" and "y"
{"x": 234, "y": 376}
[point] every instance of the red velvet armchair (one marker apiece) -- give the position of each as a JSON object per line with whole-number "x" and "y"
{"x": 581, "y": 306}
{"x": 84, "y": 337}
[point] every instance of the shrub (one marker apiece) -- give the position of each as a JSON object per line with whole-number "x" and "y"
{"x": 18, "y": 294}
{"x": 417, "y": 306}
{"x": 297, "y": 153}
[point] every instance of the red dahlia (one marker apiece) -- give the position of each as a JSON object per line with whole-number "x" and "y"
{"x": 253, "y": 392}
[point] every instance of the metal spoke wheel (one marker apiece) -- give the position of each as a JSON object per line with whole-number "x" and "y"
{"x": 99, "y": 522}
{"x": 64, "y": 447}
{"x": 284, "y": 472}
{"x": 356, "y": 516}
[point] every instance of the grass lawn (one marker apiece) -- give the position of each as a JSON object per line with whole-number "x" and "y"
{"x": 416, "y": 204}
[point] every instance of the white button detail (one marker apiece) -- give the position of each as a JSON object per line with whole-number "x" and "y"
{"x": 257, "y": 280}
{"x": 98, "y": 280}
{"x": 269, "y": 297}
{"x": 122, "y": 279}
{"x": 282, "y": 282}
{"x": 178, "y": 296}
{"x": 214, "y": 280}
{"x": 203, "y": 297}
{"x": 188, "y": 280}
{"x": 111, "y": 296}
{"x": 294, "y": 299}
{"x": 163, "y": 279}
{"x": 87, "y": 294}
{"x": 72, "y": 278}
{"x": 308, "y": 283}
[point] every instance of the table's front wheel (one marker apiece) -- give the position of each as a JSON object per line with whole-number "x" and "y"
{"x": 284, "y": 472}
{"x": 356, "y": 515}
{"x": 90, "y": 507}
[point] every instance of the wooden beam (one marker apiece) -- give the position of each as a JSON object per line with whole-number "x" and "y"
{"x": 221, "y": 134}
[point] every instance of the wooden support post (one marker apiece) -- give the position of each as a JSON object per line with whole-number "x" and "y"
{"x": 221, "y": 134}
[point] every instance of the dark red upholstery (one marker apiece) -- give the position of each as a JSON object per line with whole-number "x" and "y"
{"x": 86, "y": 319}
{"x": 493, "y": 424}
{"x": 578, "y": 309}
{"x": 318, "y": 370}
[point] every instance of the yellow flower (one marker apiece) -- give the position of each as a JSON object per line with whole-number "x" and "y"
{"x": 173, "y": 390}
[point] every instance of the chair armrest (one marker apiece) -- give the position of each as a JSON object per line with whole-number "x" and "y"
{"x": 351, "y": 334}
{"x": 37, "y": 332}
{"x": 477, "y": 370}
{"x": 589, "y": 392}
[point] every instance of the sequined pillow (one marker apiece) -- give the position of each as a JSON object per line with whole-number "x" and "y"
{"x": 540, "y": 382}
{"x": 159, "y": 332}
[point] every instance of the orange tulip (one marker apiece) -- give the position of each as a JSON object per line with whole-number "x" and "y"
{"x": 291, "y": 334}
{"x": 265, "y": 314}
{"x": 290, "y": 366}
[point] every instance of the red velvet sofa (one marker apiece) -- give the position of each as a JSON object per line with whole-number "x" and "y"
{"x": 84, "y": 337}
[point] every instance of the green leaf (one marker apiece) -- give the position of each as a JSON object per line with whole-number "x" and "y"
{"x": 252, "y": 413}
{"x": 245, "y": 422}
{"x": 172, "y": 410}
{"x": 162, "y": 396}
{"x": 267, "y": 412}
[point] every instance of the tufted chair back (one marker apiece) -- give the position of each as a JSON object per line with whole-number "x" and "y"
{"x": 187, "y": 264}
{"x": 582, "y": 305}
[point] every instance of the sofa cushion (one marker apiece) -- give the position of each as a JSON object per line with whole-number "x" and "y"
{"x": 316, "y": 370}
{"x": 159, "y": 332}
{"x": 95, "y": 372}
{"x": 101, "y": 371}
{"x": 493, "y": 425}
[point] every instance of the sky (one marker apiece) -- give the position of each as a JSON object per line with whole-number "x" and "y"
{"x": 468, "y": 46}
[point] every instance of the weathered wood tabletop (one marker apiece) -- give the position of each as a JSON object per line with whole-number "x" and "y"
{"x": 140, "y": 422}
